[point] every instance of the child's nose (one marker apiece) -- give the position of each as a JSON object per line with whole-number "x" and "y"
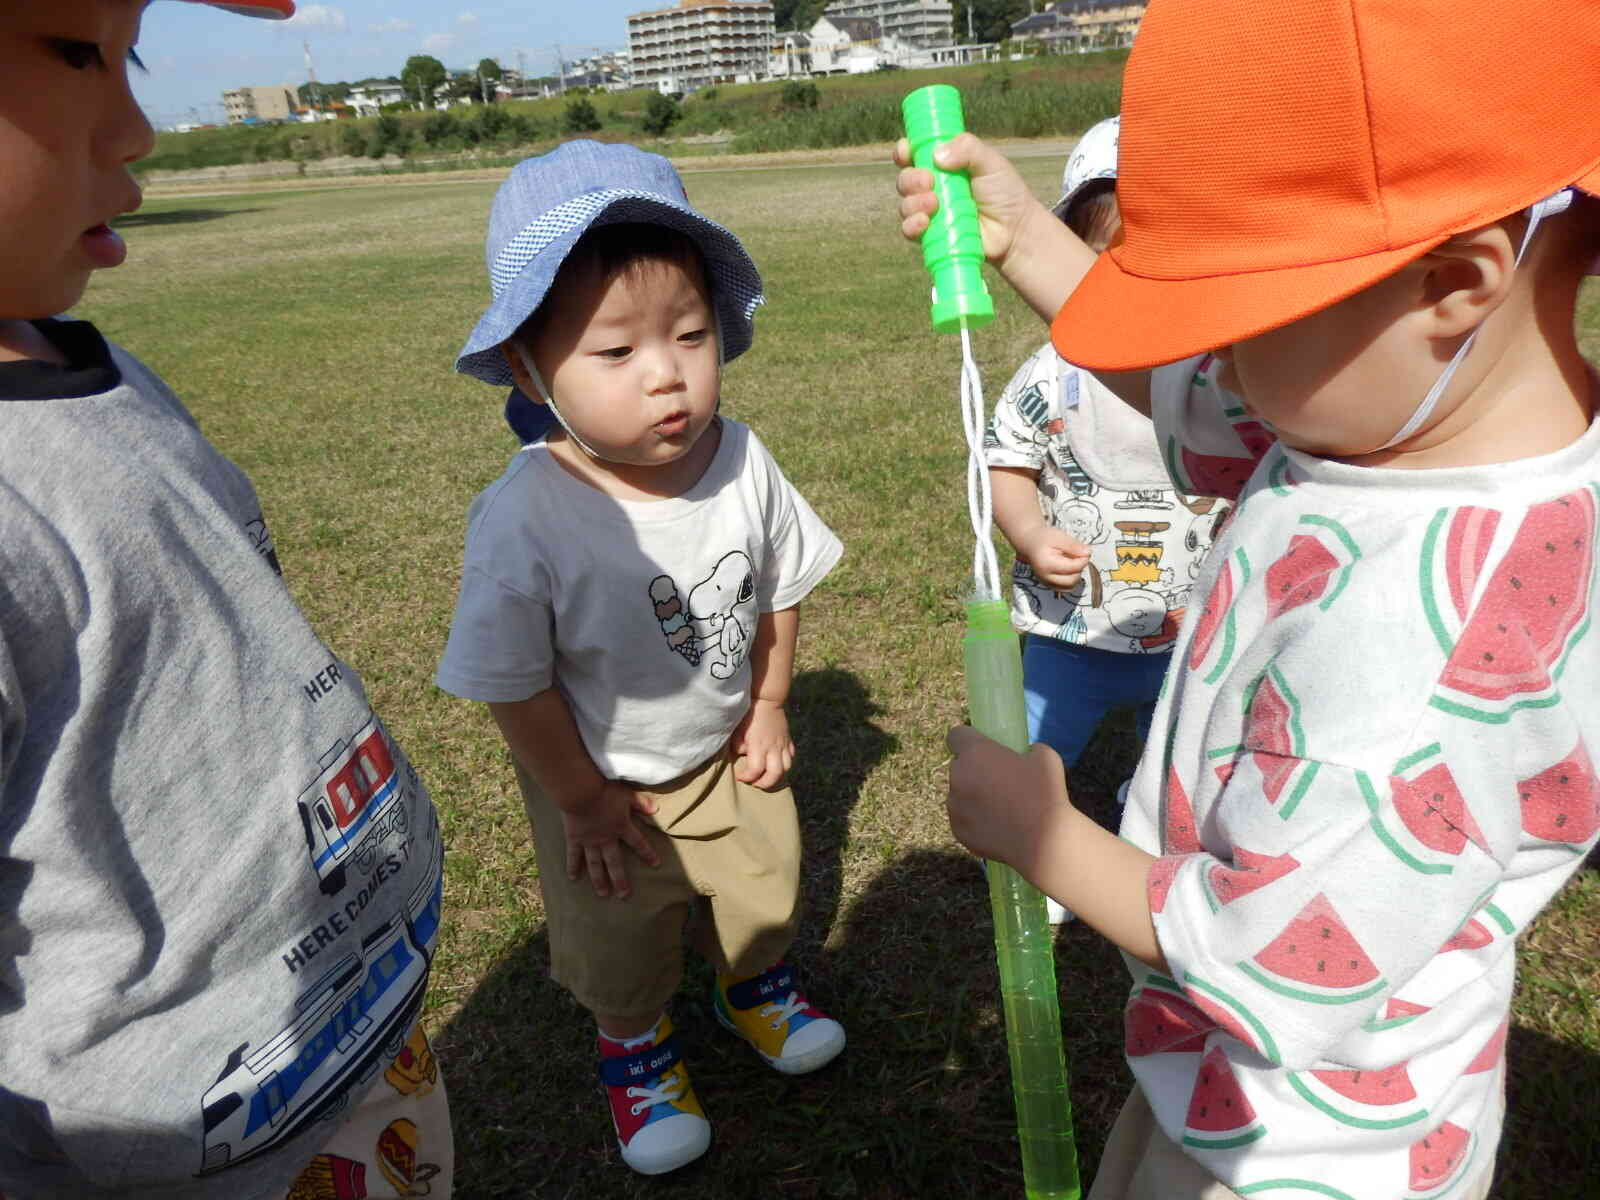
{"x": 665, "y": 371}
{"x": 128, "y": 135}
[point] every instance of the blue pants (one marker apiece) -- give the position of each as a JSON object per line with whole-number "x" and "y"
{"x": 1070, "y": 688}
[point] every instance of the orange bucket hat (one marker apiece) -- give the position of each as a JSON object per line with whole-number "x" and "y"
{"x": 273, "y": 10}
{"x": 1278, "y": 158}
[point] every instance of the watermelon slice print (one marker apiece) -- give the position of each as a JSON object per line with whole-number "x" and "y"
{"x": 1493, "y": 1052}
{"x": 1288, "y": 1188}
{"x": 1440, "y": 1160}
{"x": 1561, "y": 804}
{"x": 1532, "y": 613}
{"x": 1474, "y": 935}
{"x": 1426, "y": 823}
{"x": 1383, "y": 1099}
{"x": 1159, "y": 881}
{"x": 1316, "y": 959}
{"x": 1225, "y": 884}
{"x": 1453, "y": 553}
{"x": 1230, "y": 1016}
{"x": 1220, "y": 1117}
{"x": 1207, "y": 474}
{"x": 1157, "y": 1021}
{"x": 1314, "y": 569}
{"x": 1253, "y": 436}
{"x": 1275, "y": 734}
{"x": 1179, "y": 836}
{"x": 1396, "y": 1013}
{"x": 1218, "y": 614}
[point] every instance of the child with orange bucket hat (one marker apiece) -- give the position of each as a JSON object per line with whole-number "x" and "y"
{"x": 1346, "y": 292}
{"x": 220, "y": 878}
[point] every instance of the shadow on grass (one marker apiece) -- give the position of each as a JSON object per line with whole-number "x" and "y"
{"x": 528, "y": 1113}
{"x": 177, "y": 216}
{"x": 1551, "y": 1145}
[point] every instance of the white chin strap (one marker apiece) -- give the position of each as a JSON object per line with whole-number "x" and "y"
{"x": 544, "y": 394}
{"x": 1548, "y": 207}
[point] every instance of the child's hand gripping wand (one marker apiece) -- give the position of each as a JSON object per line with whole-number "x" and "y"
{"x": 952, "y": 251}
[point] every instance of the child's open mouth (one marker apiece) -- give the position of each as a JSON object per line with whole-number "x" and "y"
{"x": 673, "y": 425}
{"x": 104, "y": 246}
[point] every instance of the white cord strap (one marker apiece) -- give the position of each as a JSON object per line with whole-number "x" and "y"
{"x": 980, "y": 500}
{"x": 1548, "y": 207}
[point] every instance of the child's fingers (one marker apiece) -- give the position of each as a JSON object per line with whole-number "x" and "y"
{"x": 964, "y": 739}
{"x": 914, "y": 184}
{"x": 902, "y": 153}
{"x": 598, "y": 877}
{"x": 644, "y": 802}
{"x": 612, "y": 868}
{"x": 639, "y": 844}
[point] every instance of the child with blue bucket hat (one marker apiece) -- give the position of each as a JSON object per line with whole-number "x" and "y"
{"x": 629, "y": 610}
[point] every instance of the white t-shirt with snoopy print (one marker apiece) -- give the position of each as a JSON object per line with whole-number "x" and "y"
{"x": 1102, "y": 480}
{"x": 642, "y": 612}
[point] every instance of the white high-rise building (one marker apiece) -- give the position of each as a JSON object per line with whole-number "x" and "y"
{"x": 917, "y": 22}
{"x": 700, "y": 42}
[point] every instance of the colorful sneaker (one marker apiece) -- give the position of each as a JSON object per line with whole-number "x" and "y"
{"x": 773, "y": 1015}
{"x": 660, "y": 1124}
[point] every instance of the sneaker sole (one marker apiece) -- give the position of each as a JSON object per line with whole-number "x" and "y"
{"x": 800, "y": 1064}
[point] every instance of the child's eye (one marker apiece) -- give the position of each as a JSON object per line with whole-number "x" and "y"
{"x": 80, "y": 56}
{"x": 616, "y": 352}
{"x": 694, "y": 337}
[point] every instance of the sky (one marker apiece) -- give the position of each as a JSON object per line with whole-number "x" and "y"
{"x": 195, "y": 53}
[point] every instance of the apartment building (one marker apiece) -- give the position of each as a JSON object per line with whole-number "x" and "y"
{"x": 700, "y": 42}
{"x": 915, "y": 22}
{"x": 1082, "y": 24}
{"x": 248, "y": 105}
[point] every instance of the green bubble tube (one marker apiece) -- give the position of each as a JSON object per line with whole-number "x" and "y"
{"x": 952, "y": 247}
{"x": 1023, "y": 941}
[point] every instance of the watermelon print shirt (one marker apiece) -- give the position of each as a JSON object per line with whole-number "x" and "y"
{"x": 1369, "y": 772}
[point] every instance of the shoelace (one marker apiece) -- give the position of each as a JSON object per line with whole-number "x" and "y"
{"x": 796, "y": 1003}
{"x": 666, "y": 1092}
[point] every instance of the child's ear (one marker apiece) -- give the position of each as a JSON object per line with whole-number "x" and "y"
{"x": 1467, "y": 278}
{"x": 519, "y": 372}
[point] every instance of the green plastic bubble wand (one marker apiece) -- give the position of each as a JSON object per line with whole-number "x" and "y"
{"x": 952, "y": 251}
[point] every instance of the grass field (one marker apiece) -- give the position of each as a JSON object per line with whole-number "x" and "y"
{"x": 312, "y": 333}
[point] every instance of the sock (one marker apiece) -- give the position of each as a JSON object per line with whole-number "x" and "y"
{"x": 633, "y": 1043}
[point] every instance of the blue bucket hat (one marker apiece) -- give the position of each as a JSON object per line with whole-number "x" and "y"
{"x": 547, "y": 203}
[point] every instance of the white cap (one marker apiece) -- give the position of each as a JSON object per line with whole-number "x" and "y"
{"x": 1094, "y": 157}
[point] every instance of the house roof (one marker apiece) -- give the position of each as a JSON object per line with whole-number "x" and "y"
{"x": 858, "y": 29}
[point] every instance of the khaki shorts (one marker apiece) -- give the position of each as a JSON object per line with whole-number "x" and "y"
{"x": 397, "y": 1142}
{"x": 1142, "y": 1163}
{"x": 731, "y": 850}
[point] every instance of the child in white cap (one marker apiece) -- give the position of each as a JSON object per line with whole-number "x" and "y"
{"x": 220, "y": 878}
{"x": 629, "y": 610}
{"x": 1107, "y": 551}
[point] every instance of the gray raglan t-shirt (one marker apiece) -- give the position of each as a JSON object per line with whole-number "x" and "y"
{"x": 219, "y": 876}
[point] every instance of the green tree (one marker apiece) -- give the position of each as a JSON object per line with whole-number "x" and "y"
{"x": 659, "y": 114}
{"x": 797, "y": 14}
{"x": 580, "y": 117}
{"x": 991, "y": 19}
{"x": 422, "y": 76}
{"x": 489, "y": 74}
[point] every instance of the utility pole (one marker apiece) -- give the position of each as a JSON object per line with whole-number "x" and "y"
{"x": 311, "y": 77}
{"x": 970, "y": 38}
{"x": 561, "y": 68}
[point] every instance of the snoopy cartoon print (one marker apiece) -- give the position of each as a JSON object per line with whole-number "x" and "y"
{"x": 717, "y": 622}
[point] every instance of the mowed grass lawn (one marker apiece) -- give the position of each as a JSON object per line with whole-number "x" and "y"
{"x": 313, "y": 335}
